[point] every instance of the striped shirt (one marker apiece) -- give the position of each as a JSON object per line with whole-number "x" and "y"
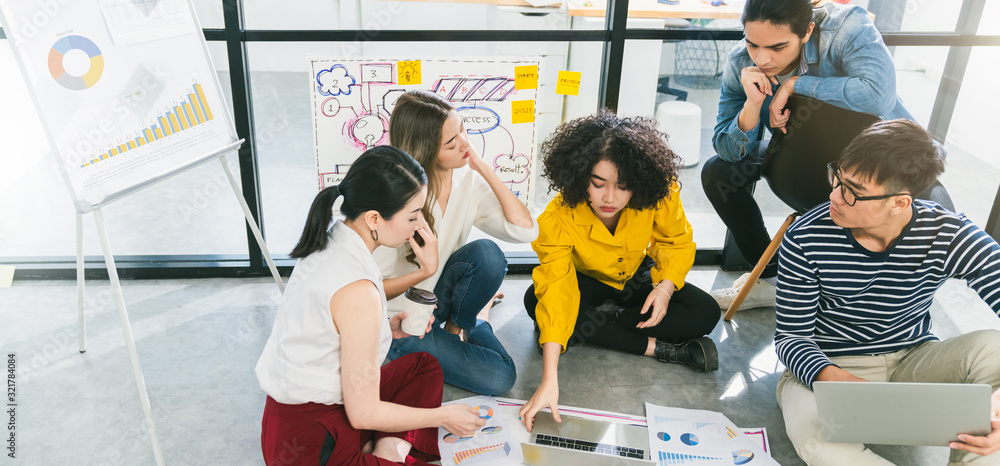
{"x": 836, "y": 298}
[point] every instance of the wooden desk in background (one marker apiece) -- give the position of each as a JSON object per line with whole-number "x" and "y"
{"x": 636, "y": 8}
{"x": 486, "y": 2}
{"x": 652, "y": 9}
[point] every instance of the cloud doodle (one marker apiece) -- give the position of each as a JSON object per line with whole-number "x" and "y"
{"x": 335, "y": 81}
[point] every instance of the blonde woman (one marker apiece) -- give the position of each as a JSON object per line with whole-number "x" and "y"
{"x": 463, "y": 191}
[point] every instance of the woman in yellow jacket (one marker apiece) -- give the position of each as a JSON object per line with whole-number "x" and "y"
{"x": 616, "y": 231}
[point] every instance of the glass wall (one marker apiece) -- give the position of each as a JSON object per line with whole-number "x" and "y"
{"x": 973, "y": 161}
{"x": 195, "y": 214}
{"x": 284, "y": 120}
{"x": 210, "y": 13}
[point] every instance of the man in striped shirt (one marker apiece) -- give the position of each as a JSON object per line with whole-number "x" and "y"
{"x": 856, "y": 277}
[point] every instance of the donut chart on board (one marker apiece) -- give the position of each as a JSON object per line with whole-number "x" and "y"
{"x": 63, "y": 77}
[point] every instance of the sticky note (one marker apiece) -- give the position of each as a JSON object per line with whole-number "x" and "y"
{"x": 568, "y": 83}
{"x": 6, "y": 275}
{"x": 522, "y": 111}
{"x": 408, "y": 72}
{"x": 526, "y": 77}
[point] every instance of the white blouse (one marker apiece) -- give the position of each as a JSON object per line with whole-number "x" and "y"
{"x": 471, "y": 203}
{"x": 301, "y": 360}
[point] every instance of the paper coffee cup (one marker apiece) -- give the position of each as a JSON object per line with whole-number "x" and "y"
{"x": 419, "y": 307}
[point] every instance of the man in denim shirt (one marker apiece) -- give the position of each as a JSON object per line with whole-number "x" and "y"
{"x": 832, "y": 53}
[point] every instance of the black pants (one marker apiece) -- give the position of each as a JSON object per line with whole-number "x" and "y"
{"x": 727, "y": 185}
{"x": 691, "y": 313}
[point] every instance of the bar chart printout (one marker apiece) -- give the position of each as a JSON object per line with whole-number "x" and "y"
{"x": 192, "y": 111}
{"x": 482, "y": 454}
{"x": 680, "y": 458}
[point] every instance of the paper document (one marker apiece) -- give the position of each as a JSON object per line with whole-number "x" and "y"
{"x": 697, "y": 437}
{"x": 494, "y": 442}
{"x": 759, "y": 436}
{"x": 136, "y": 21}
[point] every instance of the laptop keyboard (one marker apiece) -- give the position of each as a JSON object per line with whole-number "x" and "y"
{"x": 584, "y": 445}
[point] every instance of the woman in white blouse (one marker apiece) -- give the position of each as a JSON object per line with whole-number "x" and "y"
{"x": 328, "y": 400}
{"x": 463, "y": 191}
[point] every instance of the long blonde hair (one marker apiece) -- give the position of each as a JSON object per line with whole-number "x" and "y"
{"x": 415, "y": 127}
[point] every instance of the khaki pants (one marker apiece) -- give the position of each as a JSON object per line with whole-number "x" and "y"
{"x": 970, "y": 358}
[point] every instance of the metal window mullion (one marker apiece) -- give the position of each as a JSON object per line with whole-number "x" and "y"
{"x": 615, "y": 26}
{"x": 239, "y": 78}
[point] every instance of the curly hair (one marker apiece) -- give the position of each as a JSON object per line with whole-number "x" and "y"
{"x": 646, "y": 165}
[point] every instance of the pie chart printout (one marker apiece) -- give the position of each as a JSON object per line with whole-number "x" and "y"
{"x": 741, "y": 457}
{"x": 689, "y": 439}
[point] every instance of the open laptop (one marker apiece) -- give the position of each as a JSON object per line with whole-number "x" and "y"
{"x": 897, "y": 413}
{"x": 585, "y": 442}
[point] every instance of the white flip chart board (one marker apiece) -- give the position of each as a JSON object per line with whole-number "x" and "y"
{"x": 126, "y": 90}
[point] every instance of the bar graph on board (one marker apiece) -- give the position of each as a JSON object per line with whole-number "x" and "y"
{"x": 193, "y": 111}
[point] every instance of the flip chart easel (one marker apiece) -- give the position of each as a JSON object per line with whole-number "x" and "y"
{"x": 116, "y": 288}
{"x": 128, "y": 97}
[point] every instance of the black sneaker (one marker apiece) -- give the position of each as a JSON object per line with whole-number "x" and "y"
{"x": 699, "y": 354}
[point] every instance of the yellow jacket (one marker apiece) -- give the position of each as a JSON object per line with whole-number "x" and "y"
{"x": 572, "y": 240}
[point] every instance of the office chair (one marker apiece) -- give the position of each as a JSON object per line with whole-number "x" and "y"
{"x": 795, "y": 165}
{"x": 993, "y": 221}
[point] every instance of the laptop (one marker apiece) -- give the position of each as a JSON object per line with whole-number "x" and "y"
{"x": 585, "y": 442}
{"x": 897, "y": 413}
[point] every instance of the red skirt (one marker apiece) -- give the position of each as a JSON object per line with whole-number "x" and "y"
{"x": 295, "y": 434}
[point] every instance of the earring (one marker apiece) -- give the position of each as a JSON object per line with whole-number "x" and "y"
{"x": 892, "y": 213}
{"x": 374, "y": 235}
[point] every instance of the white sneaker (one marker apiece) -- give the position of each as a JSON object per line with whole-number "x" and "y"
{"x": 761, "y": 295}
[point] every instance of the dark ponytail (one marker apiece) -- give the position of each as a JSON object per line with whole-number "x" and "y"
{"x": 797, "y": 14}
{"x": 382, "y": 179}
{"x": 314, "y": 235}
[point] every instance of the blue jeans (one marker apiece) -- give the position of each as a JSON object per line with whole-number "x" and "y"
{"x": 470, "y": 278}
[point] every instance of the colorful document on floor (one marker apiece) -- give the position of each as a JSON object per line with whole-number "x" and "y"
{"x": 759, "y": 436}
{"x": 491, "y": 443}
{"x": 697, "y": 437}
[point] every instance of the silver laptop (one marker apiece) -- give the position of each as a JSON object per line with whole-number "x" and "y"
{"x": 585, "y": 442}
{"x": 896, "y": 413}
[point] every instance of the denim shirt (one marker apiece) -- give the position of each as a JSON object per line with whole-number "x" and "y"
{"x": 847, "y": 65}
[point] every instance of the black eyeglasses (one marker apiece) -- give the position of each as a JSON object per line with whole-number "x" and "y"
{"x": 851, "y": 197}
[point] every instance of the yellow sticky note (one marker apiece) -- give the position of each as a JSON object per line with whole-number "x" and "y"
{"x": 526, "y": 77}
{"x": 6, "y": 275}
{"x": 408, "y": 72}
{"x": 568, "y": 83}
{"x": 522, "y": 111}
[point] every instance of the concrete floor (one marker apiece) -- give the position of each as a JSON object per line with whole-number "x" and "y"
{"x": 198, "y": 341}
